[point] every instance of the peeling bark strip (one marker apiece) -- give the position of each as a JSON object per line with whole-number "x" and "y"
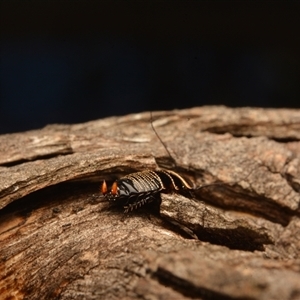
{"x": 239, "y": 240}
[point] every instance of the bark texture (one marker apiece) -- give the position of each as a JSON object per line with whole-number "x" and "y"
{"x": 240, "y": 239}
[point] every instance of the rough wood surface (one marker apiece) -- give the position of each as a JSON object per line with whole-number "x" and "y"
{"x": 236, "y": 240}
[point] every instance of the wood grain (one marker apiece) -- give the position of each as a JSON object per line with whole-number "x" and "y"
{"x": 236, "y": 240}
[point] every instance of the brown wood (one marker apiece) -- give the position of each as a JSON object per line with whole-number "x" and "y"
{"x": 236, "y": 240}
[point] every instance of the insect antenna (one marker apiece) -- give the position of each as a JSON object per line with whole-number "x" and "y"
{"x": 207, "y": 184}
{"x": 162, "y": 142}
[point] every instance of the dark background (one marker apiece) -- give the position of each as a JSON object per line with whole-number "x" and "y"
{"x": 74, "y": 61}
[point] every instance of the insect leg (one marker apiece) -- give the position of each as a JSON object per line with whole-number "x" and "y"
{"x": 139, "y": 202}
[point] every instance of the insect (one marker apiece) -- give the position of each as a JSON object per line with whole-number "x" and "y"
{"x": 134, "y": 190}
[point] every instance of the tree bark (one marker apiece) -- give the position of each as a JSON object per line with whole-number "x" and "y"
{"x": 237, "y": 239}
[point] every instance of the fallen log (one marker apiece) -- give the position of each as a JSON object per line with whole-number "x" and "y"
{"x": 239, "y": 239}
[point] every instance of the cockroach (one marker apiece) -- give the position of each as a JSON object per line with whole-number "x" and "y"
{"x": 137, "y": 189}
{"x": 134, "y": 190}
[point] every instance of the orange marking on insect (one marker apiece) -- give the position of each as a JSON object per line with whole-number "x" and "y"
{"x": 104, "y": 188}
{"x": 114, "y": 188}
